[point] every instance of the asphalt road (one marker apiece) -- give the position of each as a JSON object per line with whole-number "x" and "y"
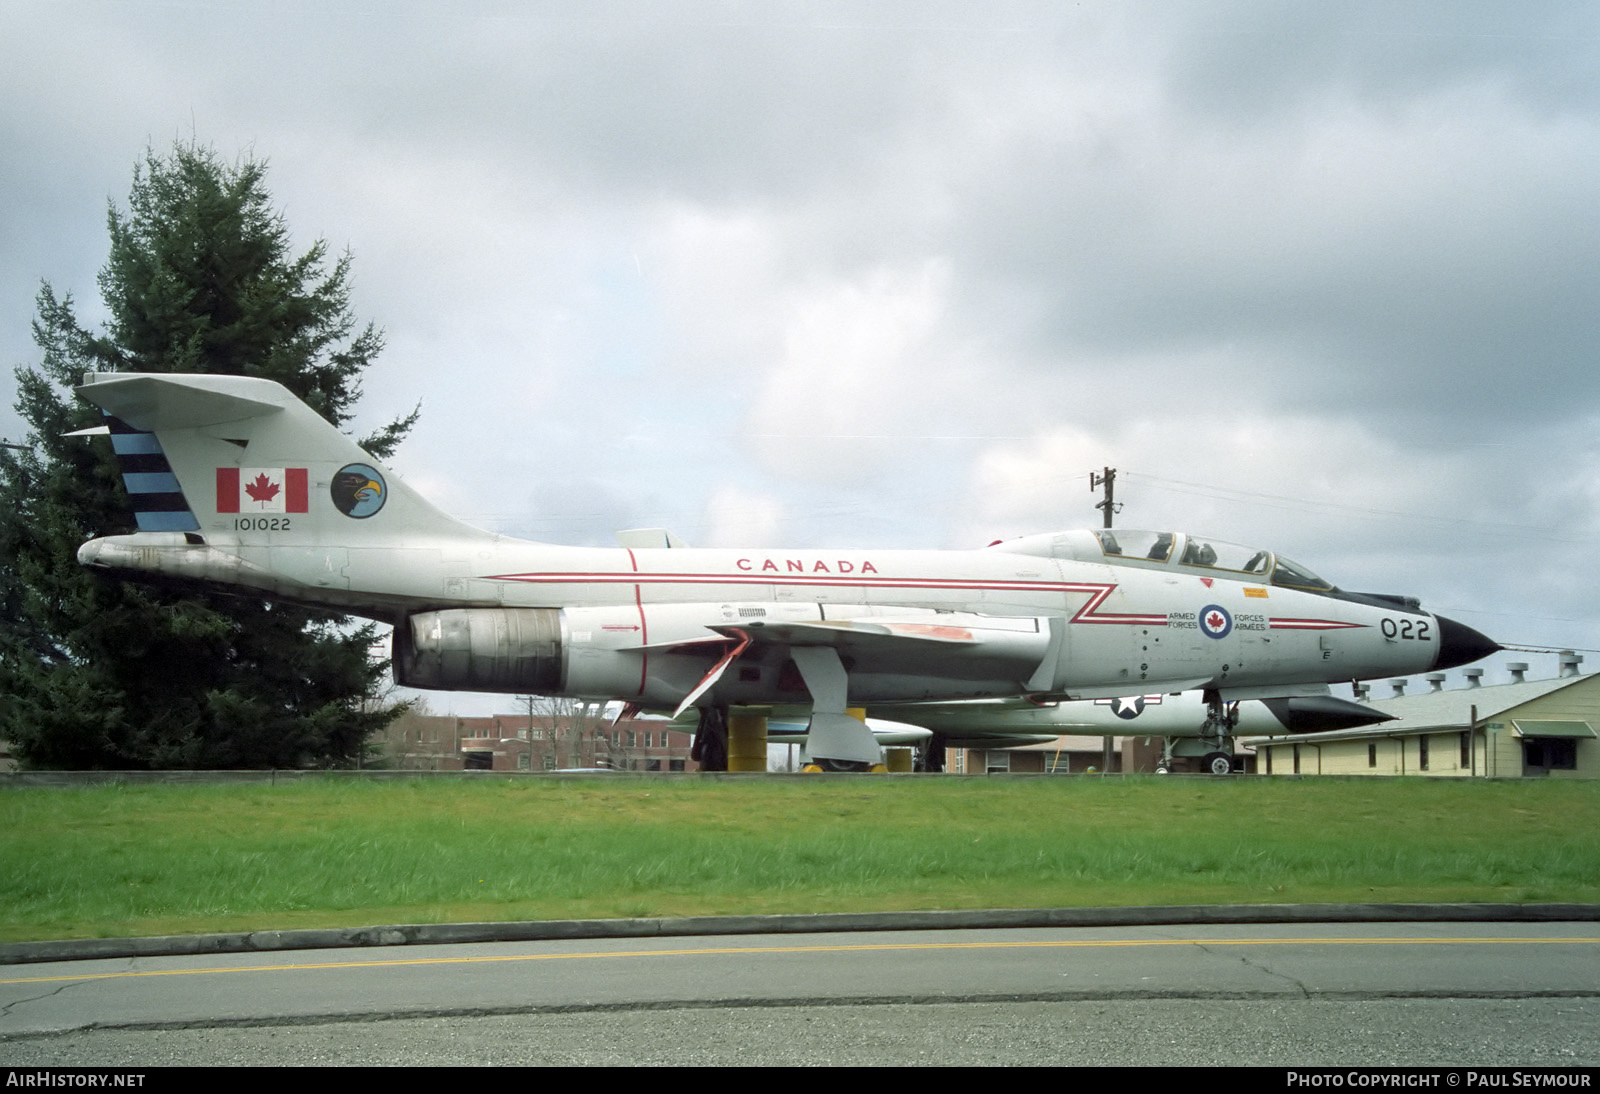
{"x": 1449, "y": 994}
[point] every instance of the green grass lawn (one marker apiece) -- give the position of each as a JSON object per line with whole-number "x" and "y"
{"x": 159, "y": 859}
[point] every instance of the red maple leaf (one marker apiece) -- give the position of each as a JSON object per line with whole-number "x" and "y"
{"x": 1213, "y": 620}
{"x": 261, "y": 489}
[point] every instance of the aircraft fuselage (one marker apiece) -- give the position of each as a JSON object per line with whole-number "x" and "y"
{"x": 635, "y": 623}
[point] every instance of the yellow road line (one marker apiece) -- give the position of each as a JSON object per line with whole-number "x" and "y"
{"x": 749, "y": 950}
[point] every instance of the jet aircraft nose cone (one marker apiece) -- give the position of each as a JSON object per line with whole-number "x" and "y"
{"x": 1459, "y": 644}
{"x": 1315, "y": 713}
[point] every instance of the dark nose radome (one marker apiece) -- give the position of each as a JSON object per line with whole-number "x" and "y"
{"x": 1315, "y": 713}
{"x": 1459, "y": 644}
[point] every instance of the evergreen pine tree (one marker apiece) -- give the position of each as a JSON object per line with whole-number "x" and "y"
{"x": 99, "y": 673}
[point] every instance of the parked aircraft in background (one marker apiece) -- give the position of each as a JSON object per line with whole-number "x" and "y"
{"x": 782, "y": 731}
{"x": 1181, "y": 721}
{"x": 1178, "y": 721}
{"x": 237, "y": 485}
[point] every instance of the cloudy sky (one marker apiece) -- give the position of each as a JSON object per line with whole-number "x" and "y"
{"x": 1323, "y": 278}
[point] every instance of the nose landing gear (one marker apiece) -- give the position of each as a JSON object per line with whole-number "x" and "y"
{"x": 1217, "y": 734}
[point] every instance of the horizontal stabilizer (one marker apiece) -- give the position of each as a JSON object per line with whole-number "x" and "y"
{"x": 154, "y": 402}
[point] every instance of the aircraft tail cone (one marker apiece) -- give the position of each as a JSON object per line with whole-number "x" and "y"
{"x": 1459, "y": 644}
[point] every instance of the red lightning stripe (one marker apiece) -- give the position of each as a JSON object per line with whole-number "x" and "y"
{"x": 1087, "y": 613}
{"x": 1311, "y": 624}
{"x": 644, "y": 627}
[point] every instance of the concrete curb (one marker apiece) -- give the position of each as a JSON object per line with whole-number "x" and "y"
{"x": 18, "y": 953}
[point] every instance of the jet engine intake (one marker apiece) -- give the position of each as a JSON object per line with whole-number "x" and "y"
{"x": 516, "y": 650}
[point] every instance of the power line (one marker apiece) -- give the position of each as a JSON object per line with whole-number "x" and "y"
{"x": 1279, "y": 501}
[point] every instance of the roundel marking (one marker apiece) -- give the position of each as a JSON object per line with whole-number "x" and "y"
{"x": 358, "y": 490}
{"x": 1130, "y": 707}
{"x": 1215, "y": 622}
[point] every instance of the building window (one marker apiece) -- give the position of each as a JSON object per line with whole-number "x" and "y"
{"x": 1372, "y": 754}
{"x": 1466, "y": 750}
{"x": 1551, "y": 753}
{"x": 1297, "y": 759}
{"x": 1422, "y": 752}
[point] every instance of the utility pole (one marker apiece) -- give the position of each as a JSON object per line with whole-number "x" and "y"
{"x": 1109, "y": 505}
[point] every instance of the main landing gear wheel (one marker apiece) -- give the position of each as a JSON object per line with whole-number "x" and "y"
{"x": 822, "y": 763}
{"x": 1217, "y": 763}
{"x": 844, "y": 765}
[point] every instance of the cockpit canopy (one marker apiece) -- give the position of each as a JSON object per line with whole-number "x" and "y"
{"x": 1171, "y": 550}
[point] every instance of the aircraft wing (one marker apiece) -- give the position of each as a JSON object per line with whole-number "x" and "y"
{"x": 847, "y": 634}
{"x": 957, "y": 645}
{"x": 857, "y": 634}
{"x": 963, "y": 647}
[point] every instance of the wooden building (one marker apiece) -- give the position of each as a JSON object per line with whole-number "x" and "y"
{"x": 1524, "y": 728}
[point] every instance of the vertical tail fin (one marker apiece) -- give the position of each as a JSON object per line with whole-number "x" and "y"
{"x": 241, "y": 460}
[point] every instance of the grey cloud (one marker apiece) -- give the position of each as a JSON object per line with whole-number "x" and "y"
{"x": 1265, "y": 58}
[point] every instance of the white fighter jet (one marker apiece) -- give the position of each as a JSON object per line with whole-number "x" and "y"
{"x": 237, "y": 485}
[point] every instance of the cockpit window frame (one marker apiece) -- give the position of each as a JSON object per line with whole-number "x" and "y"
{"x": 1168, "y": 540}
{"x": 1162, "y": 550}
{"x": 1327, "y": 587}
{"x": 1268, "y": 560}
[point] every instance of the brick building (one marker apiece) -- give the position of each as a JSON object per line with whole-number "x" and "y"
{"x": 566, "y": 740}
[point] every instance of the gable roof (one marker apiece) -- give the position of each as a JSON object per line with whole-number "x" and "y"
{"x": 1437, "y": 711}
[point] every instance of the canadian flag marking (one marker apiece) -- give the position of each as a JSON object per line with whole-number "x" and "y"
{"x": 262, "y": 490}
